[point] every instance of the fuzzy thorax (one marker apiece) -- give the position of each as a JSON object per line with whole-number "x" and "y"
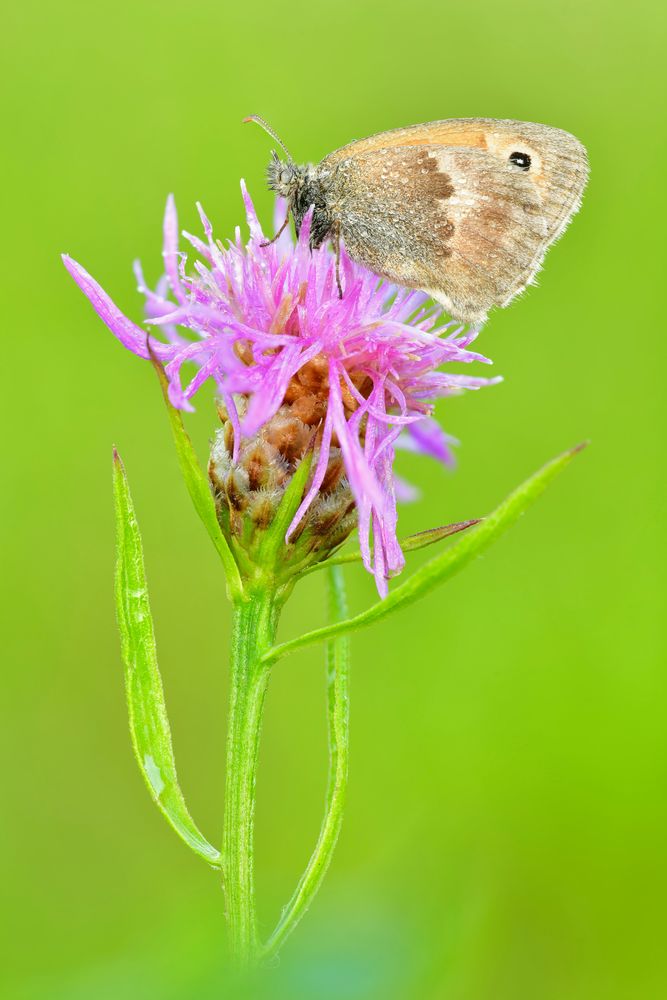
{"x": 303, "y": 187}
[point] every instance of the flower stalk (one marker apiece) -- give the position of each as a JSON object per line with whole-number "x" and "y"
{"x": 255, "y": 621}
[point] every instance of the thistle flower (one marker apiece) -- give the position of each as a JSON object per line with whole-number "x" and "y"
{"x": 296, "y": 366}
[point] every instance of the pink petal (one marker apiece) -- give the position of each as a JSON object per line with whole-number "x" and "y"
{"x": 129, "y": 334}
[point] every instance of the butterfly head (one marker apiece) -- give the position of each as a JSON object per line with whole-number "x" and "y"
{"x": 284, "y": 177}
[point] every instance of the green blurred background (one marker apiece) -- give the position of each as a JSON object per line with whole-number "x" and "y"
{"x": 505, "y": 832}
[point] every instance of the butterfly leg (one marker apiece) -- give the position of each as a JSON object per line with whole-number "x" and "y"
{"x": 268, "y": 243}
{"x": 335, "y": 239}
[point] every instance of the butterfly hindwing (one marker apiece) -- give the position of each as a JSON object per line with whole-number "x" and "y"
{"x": 447, "y": 220}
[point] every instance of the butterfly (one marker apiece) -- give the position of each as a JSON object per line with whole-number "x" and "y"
{"x": 464, "y": 209}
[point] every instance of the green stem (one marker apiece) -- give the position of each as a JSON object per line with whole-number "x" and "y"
{"x": 337, "y": 665}
{"x": 255, "y": 620}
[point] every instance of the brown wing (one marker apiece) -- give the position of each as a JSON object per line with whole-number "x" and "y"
{"x": 446, "y": 220}
{"x": 559, "y": 167}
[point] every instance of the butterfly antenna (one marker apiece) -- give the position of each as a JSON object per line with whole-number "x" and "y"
{"x": 267, "y": 128}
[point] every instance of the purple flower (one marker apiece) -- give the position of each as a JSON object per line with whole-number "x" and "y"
{"x": 266, "y": 323}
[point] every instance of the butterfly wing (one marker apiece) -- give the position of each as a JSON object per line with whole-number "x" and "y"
{"x": 444, "y": 220}
{"x": 476, "y": 245}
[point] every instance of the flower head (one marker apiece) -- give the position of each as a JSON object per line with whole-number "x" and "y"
{"x": 266, "y": 324}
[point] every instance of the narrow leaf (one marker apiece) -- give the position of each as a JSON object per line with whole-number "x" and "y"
{"x": 443, "y": 566}
{"x": 149, "y": 725}
{"x": 409, "y": 544}
{"x": 197, "y": 486}
{"x": 275, "y": 535}
{"x": 338, "y": 666}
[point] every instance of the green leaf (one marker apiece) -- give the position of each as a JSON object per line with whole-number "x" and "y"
{"x": 198, "y": 488}
{"x": 409, "y": 544}
{"x": 338, "y": 668}
{"x": 274, "y": 538}
{"x": 444, "y": 566}
{"x": 149, "y": 725}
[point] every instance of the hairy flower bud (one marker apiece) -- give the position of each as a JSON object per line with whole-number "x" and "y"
{"x": 250, "y": 488}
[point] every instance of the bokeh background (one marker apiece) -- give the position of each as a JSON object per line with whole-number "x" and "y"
{"x": 505, "y": 832}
